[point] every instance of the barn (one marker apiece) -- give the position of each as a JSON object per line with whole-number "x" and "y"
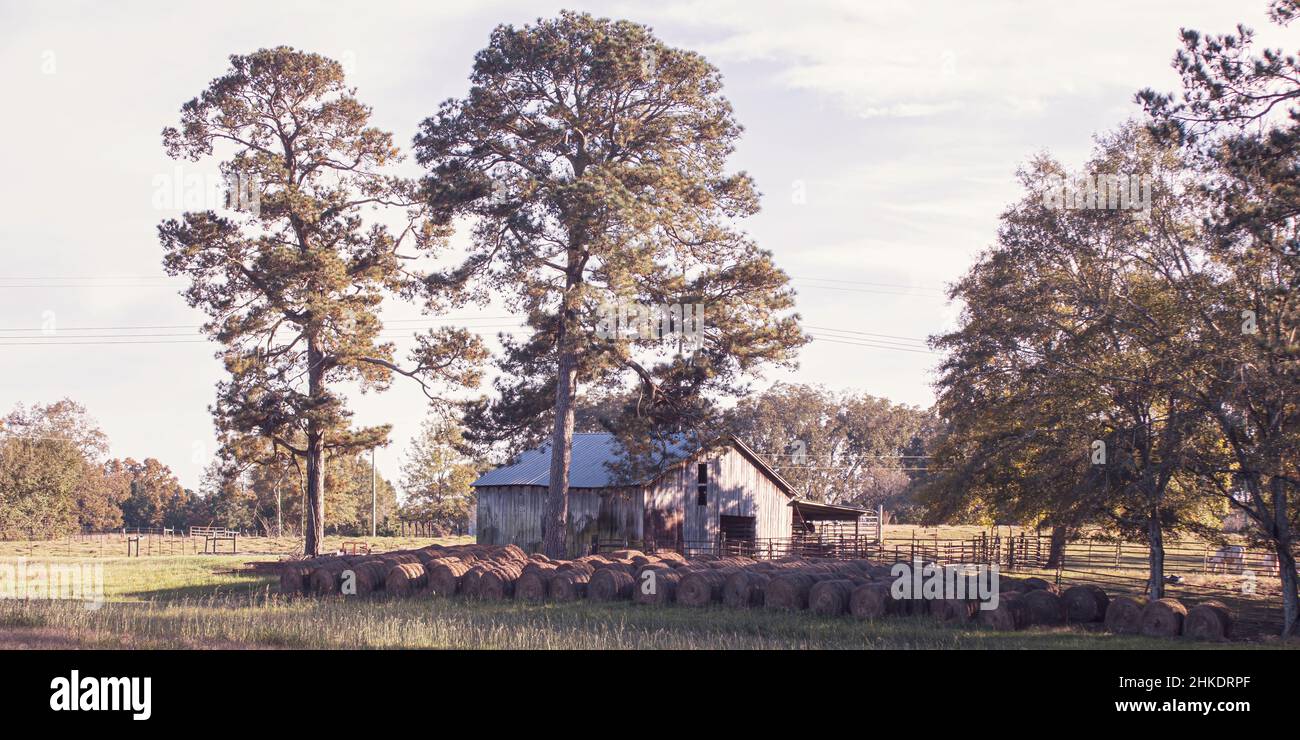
{"x": 697, "y": 498}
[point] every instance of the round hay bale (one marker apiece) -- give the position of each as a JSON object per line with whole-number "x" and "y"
{"x": 1008, "y": 616}
{"x": 702, "y": 587}
{"x": 469, "y": 584}
{"x": 1085, "y": 603}
{"x": 610, "y": 584}
{"x": 406, "y": 579}
{"x": 1039, "y": 584}
{"x": 830, "y": 597}
{"x": 873, "y": 601}
{"x": 1163, "y": 618}
{"x": 362, "y": 578}
{"x": 670, "y": 556}
{"x": 295, "y": 579}
{"x": 953, "y": 610}
{"x": 1044, "y": 607}
{"x": 661, "y": 590}
{"x": 626, "y": 554}
{"x": 640, "y": 572}
{"x": 577, "y": 566}
{"x": 532, "y": 585}
{"x": 326, "y": 579}
{"x": 788, "y": 591}
{"x": 568, "y": 584}
{"x": 445, "y": 576}
{"x": 1124, "y": 615}
{"x": 1208, "y": 620}
{"x": 744, "y": 589}
{"x": 510, "y": 553}
{"x": 498, "y": 583}
{"x": 618, "y": 565}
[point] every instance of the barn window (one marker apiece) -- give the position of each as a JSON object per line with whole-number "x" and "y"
{"x": 702, "y": 484}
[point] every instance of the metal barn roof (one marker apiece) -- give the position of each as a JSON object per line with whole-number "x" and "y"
{"x": 592, "y": 455}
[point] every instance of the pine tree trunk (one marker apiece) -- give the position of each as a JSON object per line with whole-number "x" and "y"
{"x": 315, "y": 529}
{"x": 1286, "y": 564}
{"x": 555, "y": 526}
{"x": 1156, "y": 538}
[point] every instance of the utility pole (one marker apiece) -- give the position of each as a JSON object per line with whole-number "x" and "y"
{"x": 374, "y": 477}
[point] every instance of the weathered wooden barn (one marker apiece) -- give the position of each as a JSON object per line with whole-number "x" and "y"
{"x": 694, "y": 499}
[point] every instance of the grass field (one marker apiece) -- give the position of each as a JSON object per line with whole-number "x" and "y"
{"x": 219, "y": 602}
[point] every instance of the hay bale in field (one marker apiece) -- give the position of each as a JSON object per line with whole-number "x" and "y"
{"x": 325, "y": 578}
{"x": 1009, "y": 615}
{"x": 626, "y": 554}
{"x": 732, "y": 561}
{"x": 1124, "y": 615}
{"x": 610, "y": 584}
{"x": 445, "y": 576}
{"x": 744, "y": 588}
{"x": 703, "y": 587}
{"x": 789, "y": 590}
{"x": 368, "y": 576}
{"x": 1163, "y": 618}
{"x": 1040, "y": 584}
{"x": 1044, "y": 607}
{"x": 568, "y": 584}
{"x": 1085, "y": 603}
{"x": 295, "y": 579}
{"x": 661, "y": 590}
{"x": 1208, "y": 620}
{"x": 498, "y": 583}
{"x": 873, "y": 601}
{"x": 473, "y": 578}
{"x": 532, "y": 584}
{"x": 831, "y": 596}
{"x": 953, "y": 610}
{"x": 655, "y": 566}
{"x": 670, "y": 556}
{"x": 577, "y": 566}
{"x": 618, "y": 565}
{"x": 510, "y": 552}
{"x": 406, "y": 578}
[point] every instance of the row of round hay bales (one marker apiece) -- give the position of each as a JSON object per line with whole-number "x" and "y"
{"x": 859, "y": 588}
{"x": 1209, "y": 620}
{"x": 401, "y": 572}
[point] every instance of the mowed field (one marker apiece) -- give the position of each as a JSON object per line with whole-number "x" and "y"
{"x": 221, "y": 601}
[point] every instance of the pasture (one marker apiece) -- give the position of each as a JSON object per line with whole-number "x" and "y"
{"x": 223, "y": 601}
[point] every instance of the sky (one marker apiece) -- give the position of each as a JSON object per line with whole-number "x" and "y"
{"x": 884, "y": 136}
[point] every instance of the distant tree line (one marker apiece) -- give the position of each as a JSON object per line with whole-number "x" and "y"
{"x": 56, "y": 479}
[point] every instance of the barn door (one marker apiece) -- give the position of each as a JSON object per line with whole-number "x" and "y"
{"x": 738, "y": 534}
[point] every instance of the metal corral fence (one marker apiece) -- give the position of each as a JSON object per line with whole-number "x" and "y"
{"x": 1117, "y": 567}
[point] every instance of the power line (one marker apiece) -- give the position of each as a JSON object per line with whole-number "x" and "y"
{"x": 873, "y": 346}
{"x": 867, "y": 333}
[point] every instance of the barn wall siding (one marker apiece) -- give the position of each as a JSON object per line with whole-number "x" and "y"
{"x": 664, "y": 512}
{"x": 513, "y": 515}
